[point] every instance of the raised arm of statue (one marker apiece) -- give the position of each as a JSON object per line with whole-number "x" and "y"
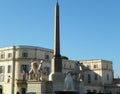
{"x": 39, "y": 70}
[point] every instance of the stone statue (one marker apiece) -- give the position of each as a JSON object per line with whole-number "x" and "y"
{"x": 78, "y": 71}
{"x": 81, "y": 75}
{"x": 39, "y": 70}
{"x": 68, "y": 83}
{"x": 35, "y": 70}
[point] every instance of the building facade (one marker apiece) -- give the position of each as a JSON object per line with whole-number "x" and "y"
{"x": 97, "y": 75}
{"x": 12, "y": 61}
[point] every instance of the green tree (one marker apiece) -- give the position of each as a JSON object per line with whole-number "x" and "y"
{"x": 65, "y": 57}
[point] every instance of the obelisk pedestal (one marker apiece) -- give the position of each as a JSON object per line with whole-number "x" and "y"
{"x": 57, "y": 79}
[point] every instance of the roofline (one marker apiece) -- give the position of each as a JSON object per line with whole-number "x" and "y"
{"x": 96, "y": 60}
{"x": 26, "y": 46}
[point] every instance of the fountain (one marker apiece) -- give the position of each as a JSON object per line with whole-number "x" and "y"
{"x": 68, "y": 83}
{"x": 68, "y": 86}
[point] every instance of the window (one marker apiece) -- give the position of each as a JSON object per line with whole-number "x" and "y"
{"x": 25, "y": 55}
{"x": 47, "y": 70}
{"x": 96, "y": 77}
{"x": 47, "y": 57}
{"x": 95, "y": 66}
{"x": 64, "y": 66}
{"x": 2, "y": 69}
{"x": 2, "y": 56}
{"x": 70, "y": 66}
{"x": 107, "y": 76}
{"x": 9, "y": 55}
{"x": 89, "y": 78}
{"x": 9, "y": 68}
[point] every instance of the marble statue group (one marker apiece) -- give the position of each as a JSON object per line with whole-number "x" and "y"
{"x": 35, "y": 71}
{"x": 75, "y": 75}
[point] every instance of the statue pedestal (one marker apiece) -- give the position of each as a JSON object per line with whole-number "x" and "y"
{"x": 37, "y": 87}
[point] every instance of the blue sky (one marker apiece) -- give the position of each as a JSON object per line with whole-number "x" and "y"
{"x": 90, "y": 29}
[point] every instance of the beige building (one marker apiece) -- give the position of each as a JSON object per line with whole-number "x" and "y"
{"x": 98, "y": 77}
{"x": 97, "y": 74}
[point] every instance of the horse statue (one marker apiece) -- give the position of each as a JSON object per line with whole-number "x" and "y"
{"x": 77, "y": 73}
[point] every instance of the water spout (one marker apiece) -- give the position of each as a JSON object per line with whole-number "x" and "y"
{"x": 68, "y": 84}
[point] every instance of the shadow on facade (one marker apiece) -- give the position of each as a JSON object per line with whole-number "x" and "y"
{"x": 95, "y": 83}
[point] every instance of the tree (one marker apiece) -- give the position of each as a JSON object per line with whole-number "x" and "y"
{"x": 64, "y": 57}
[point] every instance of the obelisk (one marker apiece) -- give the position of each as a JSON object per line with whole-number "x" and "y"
{"x": 57, "y": 56}
{"x": 56, "y": 75}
